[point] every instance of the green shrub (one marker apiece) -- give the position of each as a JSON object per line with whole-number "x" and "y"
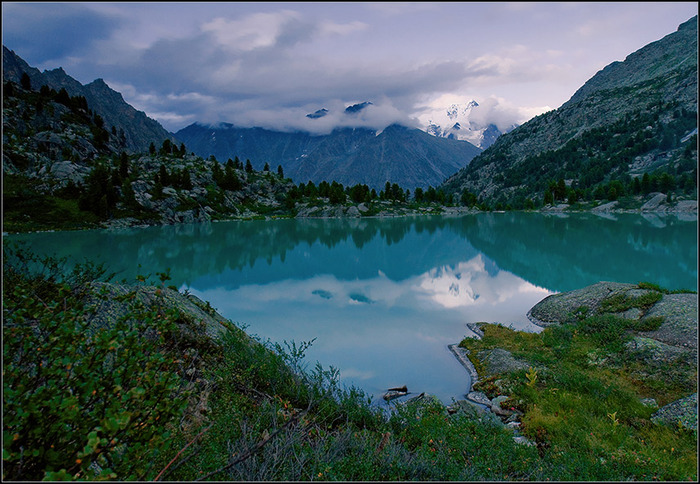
{"x": 82, "y": 401}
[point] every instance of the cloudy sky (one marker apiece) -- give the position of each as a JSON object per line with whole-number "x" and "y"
{"x": 270, "y": 64}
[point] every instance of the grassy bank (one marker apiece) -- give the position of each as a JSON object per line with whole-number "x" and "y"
{"x": 146, "y": 393}
{"x": 586, "y": 400}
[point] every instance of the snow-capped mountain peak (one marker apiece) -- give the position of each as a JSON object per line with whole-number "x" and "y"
{"x": 456, "y": 122}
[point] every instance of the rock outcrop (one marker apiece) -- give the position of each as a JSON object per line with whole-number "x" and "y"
{"x": 663, "y": 342}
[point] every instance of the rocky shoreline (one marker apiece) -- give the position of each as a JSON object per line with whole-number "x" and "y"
{"x": 673, "y": 342}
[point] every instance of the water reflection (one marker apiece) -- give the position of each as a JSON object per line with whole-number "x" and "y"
{"x": 382, "y": 332}
{"x": 384, "y": 297}
{"x": 559, "y": 253}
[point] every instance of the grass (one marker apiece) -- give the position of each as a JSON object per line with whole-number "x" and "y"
{"x": 584, "y": 407}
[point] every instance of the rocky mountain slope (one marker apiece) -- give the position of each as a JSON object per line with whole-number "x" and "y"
{"x": 62, "y": 168}
{"x": 631, "y": 118}
{"x": 137, "y": 130}
{"x": 409, "y": 157}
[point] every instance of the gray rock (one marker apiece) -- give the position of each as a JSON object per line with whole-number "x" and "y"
{"x": 686, "y": 206}
{"x": 479, "y": 397}
{"x": 631, "y": 313}
{"x": 651, "y": 349}
{"x": 498, "y": 360}
{"x": 461, "y": 355}
{"x": 476, "y": 329}
{"x": 108, "y": 306}
{"x": 654, "y": 202}
{"x": 496, "y": 406}
{"x": 605, "y": 207}
{"x": 466, "y": 407}
{"x": 352, "y": 211}
{"x": 187, "y": 217}
{"x": 559, "y": 308}
{"x": 519, "y": 439}
{"x": 67, "y": 171}
{"x": 683, "y": 412}
{"x": 680, "y": 326}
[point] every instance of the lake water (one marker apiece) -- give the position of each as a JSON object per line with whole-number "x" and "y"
{"x": 384, "y": 297}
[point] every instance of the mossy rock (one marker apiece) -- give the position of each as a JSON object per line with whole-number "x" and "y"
{"x": 112, "y": 301}
{"x": 653, "y": 351}
{"x": 499, "y": 361}
{"x": 681, "y": 413}
{"x": 680, "y": 320}
{"x": 561, "y": 308}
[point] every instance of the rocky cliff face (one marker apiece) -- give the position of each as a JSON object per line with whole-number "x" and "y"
{"x": 138, "y": 129}
{"x": 630, "y": 118}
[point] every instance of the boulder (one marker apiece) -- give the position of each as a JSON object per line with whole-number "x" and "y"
{"x": 467, "y": 407}
{"x": 654, "y": 203}
{"x": 560, "y": 308}
{"x": 498, "y": 360}
{"x": 352, "y": 211}
{"x": 605, "y": 207}
{"x": 480, "y": 398}
{"x": 67, "y": 171}
{"x": 683, "y": 412}
{"x": 680, "y": 326}
{"x": 496, "y": 406}
{"x": 686, "y": 206}
{"x": 109, "y": 304}
{"x": 652, "y": 350}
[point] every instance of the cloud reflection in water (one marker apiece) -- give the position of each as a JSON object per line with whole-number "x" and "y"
{"x": 380, "y": 332}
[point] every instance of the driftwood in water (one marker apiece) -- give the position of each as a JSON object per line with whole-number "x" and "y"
{"x": 398, "y": 389}
{"x": 395, "y": 393}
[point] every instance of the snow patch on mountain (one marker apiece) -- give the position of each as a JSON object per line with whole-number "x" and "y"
{"x": 459, "y": 121}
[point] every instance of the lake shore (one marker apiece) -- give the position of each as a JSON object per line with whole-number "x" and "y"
{"x": 665, "y": 333}
{"x": 655, "y": 205}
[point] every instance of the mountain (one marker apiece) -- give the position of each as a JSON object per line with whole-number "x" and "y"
{"x": 139, "y": 130}
{"x": 630, "y": 124}
{"x": 409, "y": 157}
{"x": 63, "y": 169}
{"x": 456, "y": 122}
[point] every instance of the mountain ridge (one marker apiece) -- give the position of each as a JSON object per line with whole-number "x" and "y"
{"x": 139, "y": 130}
{"x": 407, "y": 156}
{"x": 626, "y": 121}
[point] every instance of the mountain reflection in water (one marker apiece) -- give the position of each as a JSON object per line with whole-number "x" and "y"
{"x": 384, "y": 297}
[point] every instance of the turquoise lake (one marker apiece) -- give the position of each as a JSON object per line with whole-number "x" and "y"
{"x": 384, "y": 297}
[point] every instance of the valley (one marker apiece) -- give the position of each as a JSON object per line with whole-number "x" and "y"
{"x": 232, "y": 301}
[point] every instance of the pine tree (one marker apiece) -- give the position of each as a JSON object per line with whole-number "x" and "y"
{"x": 25, "y": 82}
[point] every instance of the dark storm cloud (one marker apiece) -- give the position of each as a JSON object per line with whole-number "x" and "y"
{"x": 46, "y": 31}
{"x": 271, "y": 64}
